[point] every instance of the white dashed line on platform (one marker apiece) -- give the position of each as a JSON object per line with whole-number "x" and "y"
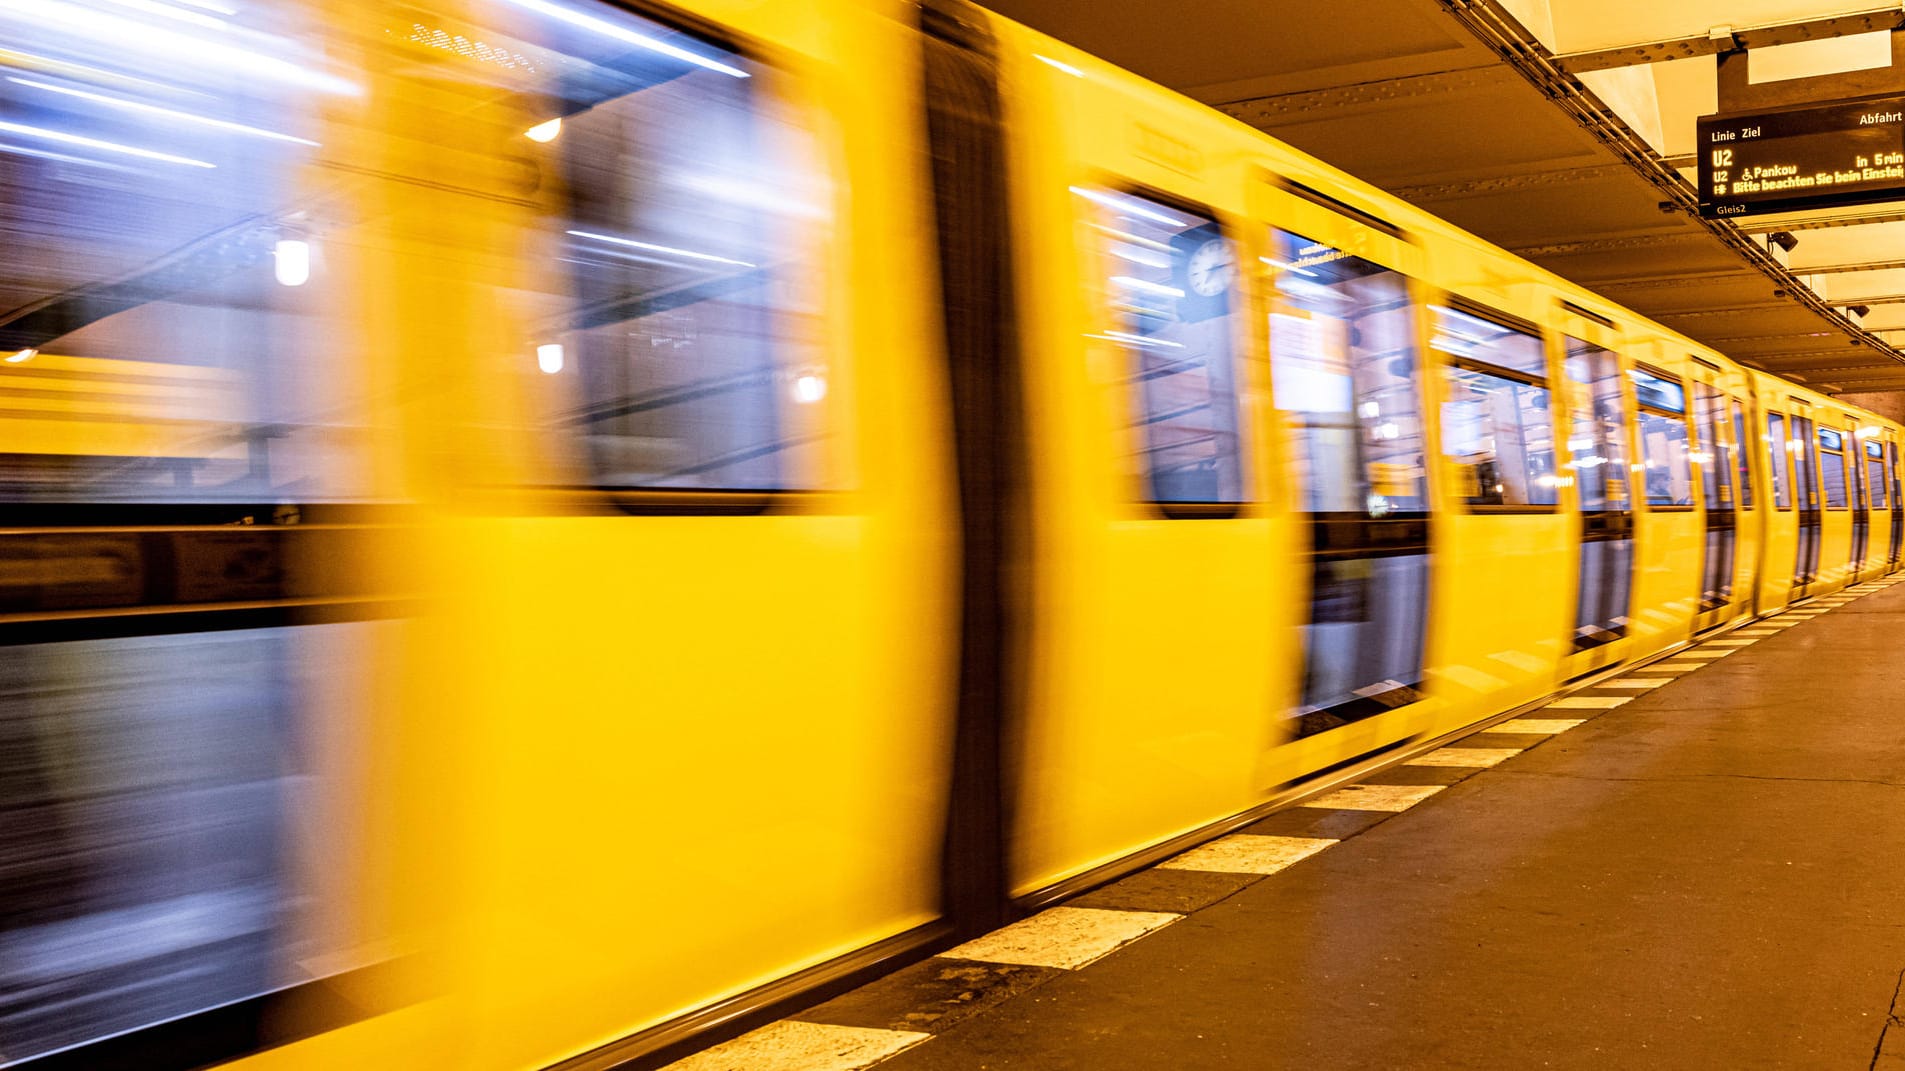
{"x": 1634, "y": 682}
{"x": 1536, "y": 726}
{"x": 1248, "y": 853}
{"x": 1375, "y": 797}
{"x": 1588, "y": 702}
{"x": 1063, "y": 937}
{"x": 791, "y": 1045}
{"x": 1465, "y": 757}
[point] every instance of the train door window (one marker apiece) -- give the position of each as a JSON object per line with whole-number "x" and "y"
{"x": 1497, "y": 427}
{"x": 1805, "y": 447}
{"x": 1716, "y": 473}
{"x": 1832, "y": 470}
{"x": 1170, "y": 282}
{"x": 1776, "y": 454}
{"x": 1665, "y": 461}
{"x": 1597, "y": 443}
{"x": 1716, "y": 468}
{"x": 1875, "y": 473}
{"x": 684, "y": 353}
{"x": 1805, "y": 463}
{"x": 1343, "y": 353}
{"x": 1742, "y": 454}
{"x": 1342, "y": 341}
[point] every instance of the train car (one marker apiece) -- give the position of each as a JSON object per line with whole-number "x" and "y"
{"x": 543, "y": 533}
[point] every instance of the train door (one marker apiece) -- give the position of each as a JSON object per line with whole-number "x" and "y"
{"x": 1878, "y": 497}
{"x": 1598, "y": 418}
{"x": 1898, "y": 504}
{"x": 1861, "y": 512}
{"x": 1805, "y": 457}
{"x": 1782, "y": 528}
{"x": 1668, "y": 579}
{"x": 1750, "y": 532}
{"x": 1717, "y": 495}
{"x": 1345, "y": 374}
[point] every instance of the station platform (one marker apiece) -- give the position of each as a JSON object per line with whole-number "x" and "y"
{"x": 1699, "y": 863}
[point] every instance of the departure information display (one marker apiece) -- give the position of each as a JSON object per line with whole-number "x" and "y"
{"x": 1836, "y": 154}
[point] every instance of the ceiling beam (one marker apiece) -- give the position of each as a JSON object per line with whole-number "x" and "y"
{"x": 1727, "y": 38}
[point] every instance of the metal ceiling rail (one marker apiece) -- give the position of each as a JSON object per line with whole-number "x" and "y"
{"x": 1503, "y": 34}
{"x": 1727, "y": 38}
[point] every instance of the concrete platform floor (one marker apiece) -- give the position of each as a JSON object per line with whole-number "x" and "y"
{"x": 1707, "y": 872}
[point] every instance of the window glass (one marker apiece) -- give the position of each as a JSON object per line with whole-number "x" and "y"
{"x": 1832, "y": 467}
{"x": 1715, "y": 470}
{"x": 681, "y": 346}
{"x": 1776, "y": 455}
{"x": 1661, "y": 393}
{"x": 1875, "y": 474}
{"x": 165, "y": 283}
{"x": 1666, "y": 461}
{"x": 1343, "y": 356}
{"x": 1742, "y": 453}
{"x": 1855, "y": 471}
{"x": 1805, "y": 463}
{"x": 1597, "y": 436}
{"x": 1496, "y": 427}
{"x": 1665, "y": 457}
{"x": 1170, "y": 281}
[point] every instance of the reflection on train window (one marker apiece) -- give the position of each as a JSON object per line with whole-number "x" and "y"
{"x": 1666, "y": 464}
{"x": 1875, "y": 474}
{"x": 1343, "y": 358}
{"x": 1597, "y": 436}
{"x": 1742, "y": 454}
{"x": 1832, "y": 467}
{"x": 1715, "y": 471}
{"x": 1805, "y": 463}
{"x": 685, "y": 350}
{"x": 1854, "y": 471}
{"x": 1496, "y": 425}
{"x": 165, "y": 280}
{"x": 152, "y": 788}
{"x": 1776, "y": 453}
{"x": 1170, "y": 278}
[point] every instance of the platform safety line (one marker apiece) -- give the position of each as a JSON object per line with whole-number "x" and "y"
{"x": 1070, "y": 938}
{"x": 794, "y": 1045}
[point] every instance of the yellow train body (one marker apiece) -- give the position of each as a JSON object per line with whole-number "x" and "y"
{"x": 597, "y": 763}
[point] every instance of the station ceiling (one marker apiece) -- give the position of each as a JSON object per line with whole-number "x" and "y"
{"x": 1562, "y": 130}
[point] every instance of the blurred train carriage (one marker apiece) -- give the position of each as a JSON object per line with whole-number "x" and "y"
{"x": 540, "y": 531}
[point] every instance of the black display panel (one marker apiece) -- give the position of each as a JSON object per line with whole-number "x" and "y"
{"x": 1836, "y": 154}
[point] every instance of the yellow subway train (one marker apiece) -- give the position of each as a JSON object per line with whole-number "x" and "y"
{"x": 542, "y": 533}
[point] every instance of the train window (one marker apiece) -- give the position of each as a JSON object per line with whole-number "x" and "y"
{"x": 1496, "y": 426}
{"x": 1854, "y": 470}
{"x": 1598, "y": 436}
{"x": 1716, "y": 470}
{"x": 165, "y": 281}
{"x": 1665, "y": 457}
{"x": 1832, "y": 467}
{"x": 1776, "y": 453}
{"x": 1875, "y": 473}
{"x": 1742, "y": 455}
{"x": 1805, "y": 463}
{"x": 679, "y": 343}
{"x": 1171, "y": 281}
{"x": 1343, "y": 355}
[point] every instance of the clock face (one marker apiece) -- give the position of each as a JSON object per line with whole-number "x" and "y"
{"x": 1210, "y": 268}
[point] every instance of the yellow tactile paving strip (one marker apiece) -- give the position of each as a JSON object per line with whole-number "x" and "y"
{"x": 1069, "y": 938}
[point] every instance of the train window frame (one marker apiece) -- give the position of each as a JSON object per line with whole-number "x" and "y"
{"x": 1513, "y": 378}
{"x": 1743, "y": 456}
{"x": 1878, "y": 496}
{"x": 1678, "y": 413}
{"x": 1615, "y": 492}
{"x": 1779, "y": 458}
{"x": 1242, "y": 349}
{"x": 1274, "y": 305}
{"x": 775, "y": 84}
{"x": 1832, "y": 443}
